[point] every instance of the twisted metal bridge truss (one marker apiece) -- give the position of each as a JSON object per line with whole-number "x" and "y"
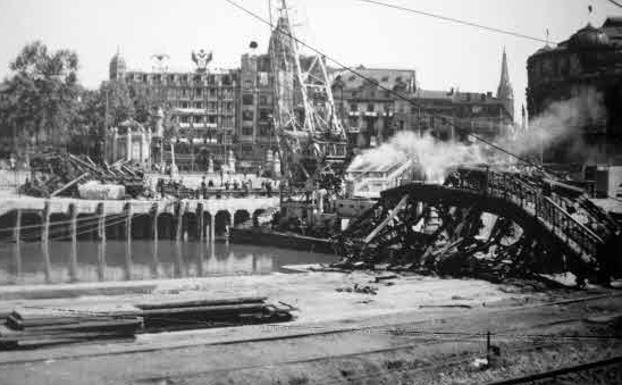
{"x": 541, "y": 225}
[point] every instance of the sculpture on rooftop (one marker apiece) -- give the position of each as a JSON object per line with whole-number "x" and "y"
{"x": 201, "y": 59}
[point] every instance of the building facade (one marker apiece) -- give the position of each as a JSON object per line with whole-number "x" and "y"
{"x": 367, "y": 103}
{"x": 583, "y": 73}
{"x": 373, "y": 107}
{"x": 256, "y": 143}
{"x": 201, "y": 105}
{"x": 454, "y": 115}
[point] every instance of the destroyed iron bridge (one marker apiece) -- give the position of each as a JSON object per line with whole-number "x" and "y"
{"x": 541, "y": 226}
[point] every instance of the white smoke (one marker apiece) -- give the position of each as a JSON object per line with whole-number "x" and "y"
{"x": 562, "y": 122}
{"x": 435, "y": 157}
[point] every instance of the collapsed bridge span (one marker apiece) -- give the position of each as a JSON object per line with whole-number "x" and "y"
{"x": 538, "y": 225}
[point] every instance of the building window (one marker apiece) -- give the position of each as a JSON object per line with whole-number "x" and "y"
{"x": 184, "y": 105}
{"x": 385, "y": 79}
{"x": 248, "y": 116}
{"x": 198, "y": 105}
{"x": 247, "y": 99}
{"x": 370, "y": 107}
{"x": 197, "y": 92}
{"x": 354, "y": 107}
{"x": 184, "y": 119}
{"x": 197, "y": 119}
{"x": 264, "y": 114}
{"x": 247, "y": 131}
{"x": 263, "y": 100}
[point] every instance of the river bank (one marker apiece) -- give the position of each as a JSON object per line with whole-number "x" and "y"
{"x": 333, "y": 326}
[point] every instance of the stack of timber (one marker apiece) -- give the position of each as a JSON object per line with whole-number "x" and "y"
{"x": 212, "y": 313}
{"x": 59, "y": 174}
{"x": 30, "y": 328}
{"x": 27, "y": 328}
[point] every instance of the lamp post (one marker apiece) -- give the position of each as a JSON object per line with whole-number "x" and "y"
{"x": 13, "y": 163}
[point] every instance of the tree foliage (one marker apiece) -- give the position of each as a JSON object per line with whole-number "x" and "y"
{"x": 43, "y": 104}
{"x": 41, "y": 99}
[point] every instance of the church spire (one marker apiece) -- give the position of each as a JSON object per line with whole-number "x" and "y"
{"x": 504, "y": 91}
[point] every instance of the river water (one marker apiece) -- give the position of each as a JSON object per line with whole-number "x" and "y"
{"x": 172, "y": 260}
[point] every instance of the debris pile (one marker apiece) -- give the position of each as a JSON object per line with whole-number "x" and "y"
{"x": 60, "y": 174}
{"x": 449, "y": 244}
{"x": 356, "y": 288}
{"x": 484, "y": 224}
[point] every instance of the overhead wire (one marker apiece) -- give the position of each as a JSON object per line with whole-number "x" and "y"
{"x": 457, "y": 21}
{"x": 376, "y": 83}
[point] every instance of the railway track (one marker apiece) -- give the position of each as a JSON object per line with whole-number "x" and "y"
{"x": 511, "y": 345}
{"x": 613, "y": 375}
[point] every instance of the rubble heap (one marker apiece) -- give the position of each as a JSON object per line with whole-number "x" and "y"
{"x": 485, "y": 224}
{"x": 59, "y": 174}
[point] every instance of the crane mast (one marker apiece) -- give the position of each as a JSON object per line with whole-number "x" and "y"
{"x": 310, "y": 136}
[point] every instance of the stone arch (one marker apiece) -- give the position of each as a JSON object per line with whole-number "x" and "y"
{"x": 7, "y": 221}
{"x": 256, "y": 215}
{"x": 32, "y": 225}
{"x": 241, "y": 217}
{"x": 115, "y": 226}
{"x": 141, "y": 226}
{"x": 87, "y": 227}
{"x": 190, "y": 223}
{"x": 60, "y": 226}
{"x": 166, "y": 226}
{"x": 222, "y": 219}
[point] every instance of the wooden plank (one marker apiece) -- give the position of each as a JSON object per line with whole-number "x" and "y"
{"x": 69, "y": 184}
{"x": 201, "y": 302}
{"x": 97, "y": 326}
{"x": 206, "y": 310}
{"x": 386, "y": 221}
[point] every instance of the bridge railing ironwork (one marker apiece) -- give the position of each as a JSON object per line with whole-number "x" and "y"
{"x": 536, "y": 200}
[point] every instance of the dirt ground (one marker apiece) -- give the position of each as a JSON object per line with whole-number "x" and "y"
{"x": 414, "y": 330}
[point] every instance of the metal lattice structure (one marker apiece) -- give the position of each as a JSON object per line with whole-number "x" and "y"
{"x": 541, "y": 225}
{"x": 309, "y": 133}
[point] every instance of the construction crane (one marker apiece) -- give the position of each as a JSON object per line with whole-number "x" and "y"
{"x": 311, "y": 140}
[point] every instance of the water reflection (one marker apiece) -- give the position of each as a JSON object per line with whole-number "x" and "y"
{"x": 29, "y": 263}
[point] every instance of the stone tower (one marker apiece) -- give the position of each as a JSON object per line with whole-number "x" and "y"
{"x": 117, "y": 67}
{"x": 504, "y": 91}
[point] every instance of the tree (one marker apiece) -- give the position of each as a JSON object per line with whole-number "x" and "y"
{"x": 98, "y": 110}
{"x": 40, "y": 101}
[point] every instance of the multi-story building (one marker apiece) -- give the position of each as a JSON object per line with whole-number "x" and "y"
{"x": 454, "y": 114}
{"x": 383, "y": 101}
{"x": 586, "y": 69}
{"x": 256, "y": 142}
{"x": 201, "y": 105}
{"x": 366, "y": 101}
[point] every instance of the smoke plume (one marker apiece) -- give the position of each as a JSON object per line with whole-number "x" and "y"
{"x": 562, "y": 122}
{"x": 435, "y": 157}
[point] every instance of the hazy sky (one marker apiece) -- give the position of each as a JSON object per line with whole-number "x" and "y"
{"x": 442, "y": 53}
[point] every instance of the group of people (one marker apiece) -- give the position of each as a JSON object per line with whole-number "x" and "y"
{"x": 209, "y": 186}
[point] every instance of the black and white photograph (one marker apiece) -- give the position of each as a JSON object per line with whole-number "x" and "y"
{"x": 299, "y": 192}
